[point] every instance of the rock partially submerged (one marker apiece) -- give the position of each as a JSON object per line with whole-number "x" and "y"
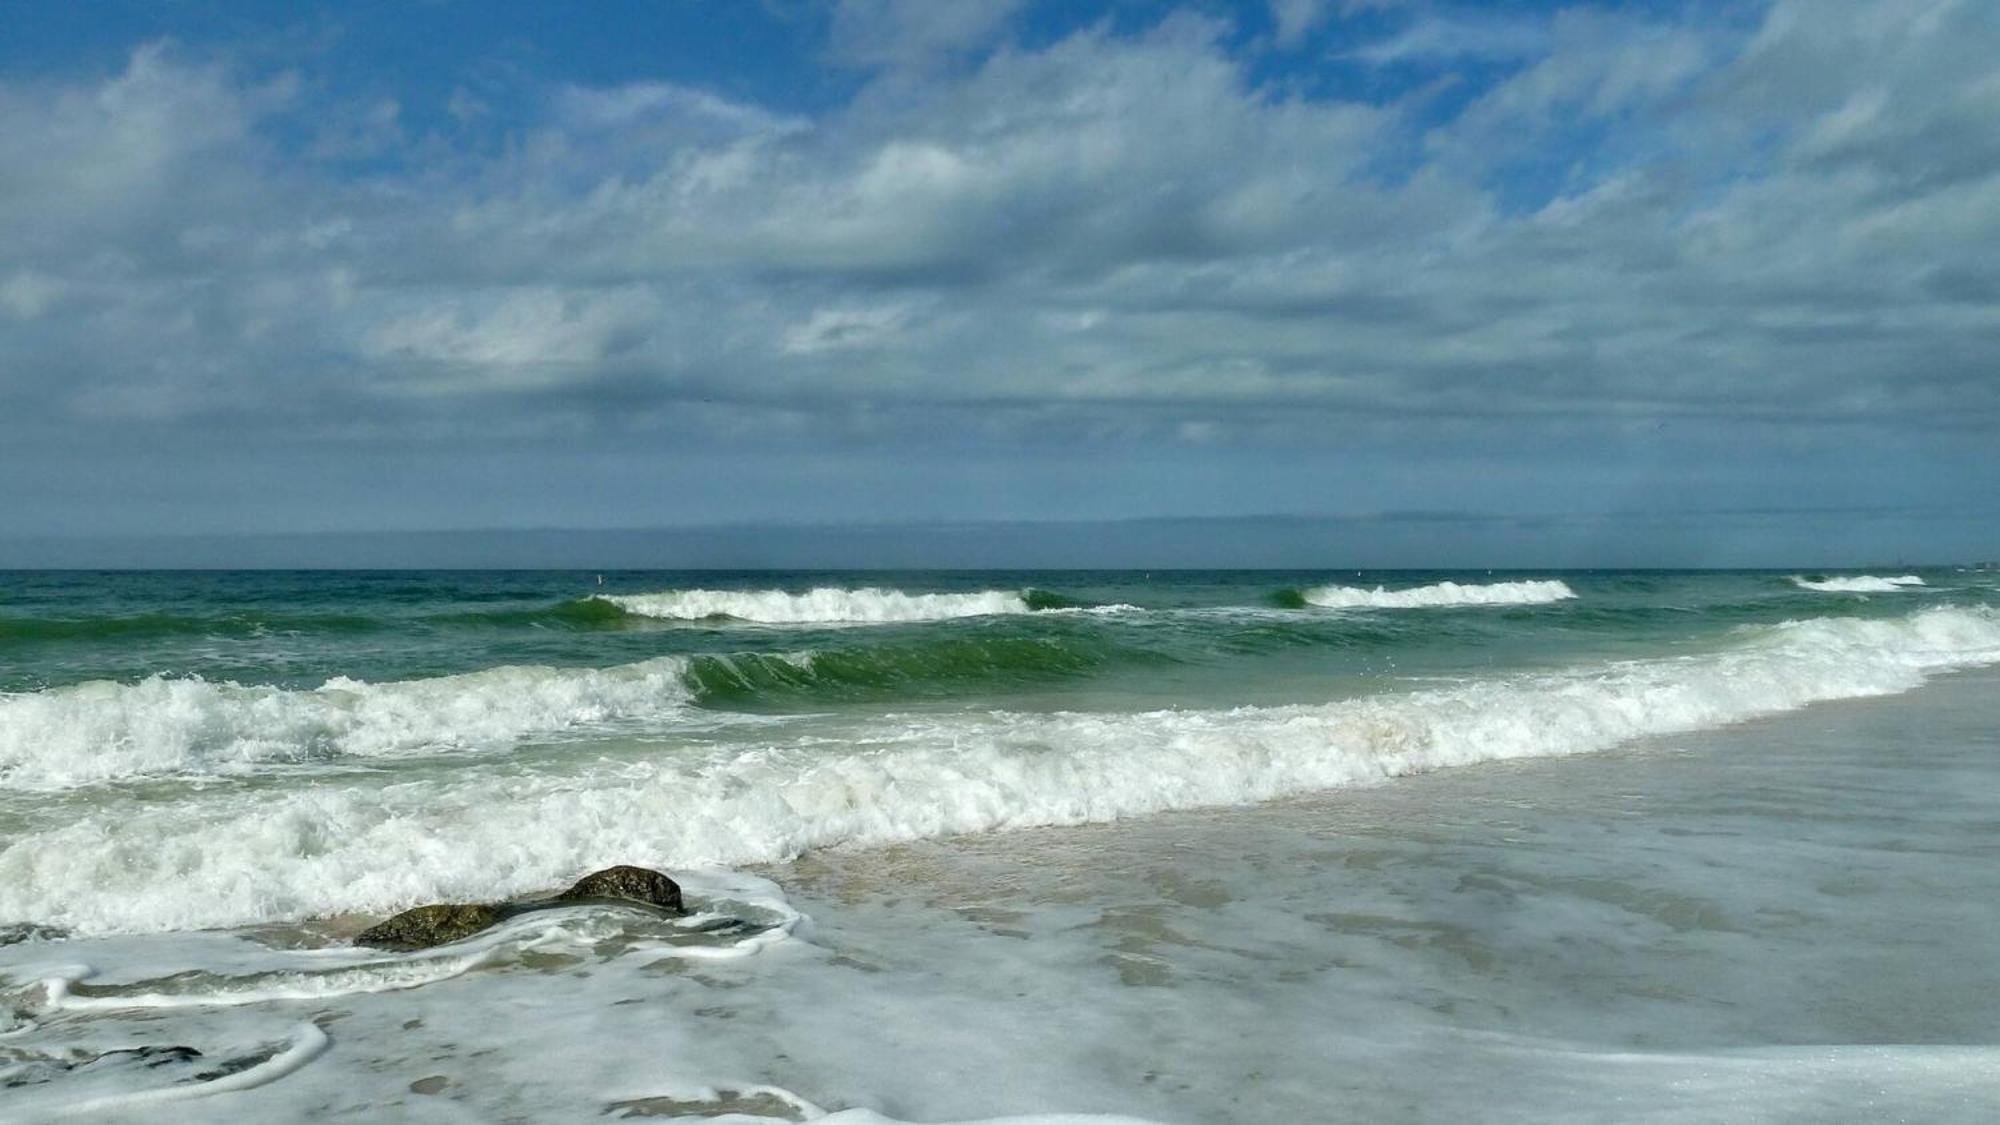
{"x": 14, "y": 933}
{"x": 31, "y": 1068}
{"x": 444, "y": 923}
{"x": 630, "y": 884}
{"x": 426, "y": 926}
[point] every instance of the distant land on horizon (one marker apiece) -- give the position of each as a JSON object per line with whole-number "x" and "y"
{"x": 1401, "y": 540}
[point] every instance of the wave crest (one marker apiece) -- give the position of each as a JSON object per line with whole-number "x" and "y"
{"x": 825, "y": 605}
{"x": 1441, "y": 594}
{"x": 248, "y": 857}
{"x": 1859, "y": 584}
{"x": 105, "y": 731}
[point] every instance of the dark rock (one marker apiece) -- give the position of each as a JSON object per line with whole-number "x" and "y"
{"x": 630, "y": 884}
{"x": 28, "y": 1069}
{"x": 726, "y": 1103}
{"x": 14, "y": 933}
{"x": 156, "y": 1056}
{"x": 427, "y": 926}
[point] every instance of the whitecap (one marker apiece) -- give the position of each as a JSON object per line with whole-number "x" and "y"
{"x": 1536, "y": 592}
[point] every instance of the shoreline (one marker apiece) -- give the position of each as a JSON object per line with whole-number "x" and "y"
{"x": 1777, "y": 918}
{"x": 1450, "y": 913}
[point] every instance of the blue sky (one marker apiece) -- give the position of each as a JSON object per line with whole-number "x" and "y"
{"x": 277, "y": 268}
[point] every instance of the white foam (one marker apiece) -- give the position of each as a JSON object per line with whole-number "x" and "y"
{"x": 861, "y": 1116}
{"x": 101, "y": 731}
{"x": 826, "y": 605}
{"x": 1534, "y": 592}
{"x": 235, "y": 858}
{"x": 306, "y": 1043}
{"x": 257, "y": 976}
{"x": 1859, "y": 584}
{"x": 712, "y": 1092}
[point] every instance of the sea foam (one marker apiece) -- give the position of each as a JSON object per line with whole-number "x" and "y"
{"x": 102, "y": 731}
{"x": 1442, "y": 594}
{"x": 224, "y": 859}
{"x": 1859, "y": 584}
{"x": 826, "y": 605}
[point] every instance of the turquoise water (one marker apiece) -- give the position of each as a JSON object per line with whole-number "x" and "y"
{"x": 1196, "y": 636}
{"x": 212, "y": 749}
{"x": 1261, "y": 911}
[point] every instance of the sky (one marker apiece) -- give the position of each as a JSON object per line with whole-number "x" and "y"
{"x": 1720, "y": 273}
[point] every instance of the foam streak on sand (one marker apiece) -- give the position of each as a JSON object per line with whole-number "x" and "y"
{"x": 1442, "y": 594}
{"x": 306, "y": 1043}
{"x": 366, "y": 846}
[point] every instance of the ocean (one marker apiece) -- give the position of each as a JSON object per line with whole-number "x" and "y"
{"x": 1171, "y": 846}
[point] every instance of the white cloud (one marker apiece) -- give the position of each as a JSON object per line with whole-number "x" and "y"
{"x": 624, "y": 107}
{"x": 1456, "y": 35}
{"x": 915, "y": 32}
{"x": 531, "y": 327}
{"x": 1593, "y": 68}
{"x": 1122, "y": 233}
{"x": 1293, "y": 20}
{"x": 27, "y": 294}
{"x": 838, "y": 329}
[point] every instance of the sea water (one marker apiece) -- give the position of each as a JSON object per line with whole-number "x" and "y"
{"x": 1178, "y": 846}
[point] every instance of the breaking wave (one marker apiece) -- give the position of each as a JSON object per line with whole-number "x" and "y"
{"x": 1441, "y": 594}
{"x": 1859, "y": 584}
{"x": 233, "y": 858}
{"x": 104, "y": 731}
{"x": 823, "y": 606}
{"x": 827, "y": 605}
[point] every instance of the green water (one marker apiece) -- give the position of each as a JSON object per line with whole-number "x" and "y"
{"x": 201, "y": 749}
{"x": 1196, "y": 636}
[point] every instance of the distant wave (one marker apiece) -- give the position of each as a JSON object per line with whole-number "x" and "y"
{"x": 1441, "y": 594}
{"x": 1859, "y": 584}
{"x": 577, "y": 613}
{"x": 825, "y": 606}
{"x": 246, "y": 623}
{"x": 828, "y": 605}
{"x": 236, "y": 858}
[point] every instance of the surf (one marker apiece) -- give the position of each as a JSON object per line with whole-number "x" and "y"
{"x": 235, "y": 858}
{"x": 1441, "y": 594}
{"x": 1858, "y": 584}
{"x": 188, "y": 726}
{"x": 823, "y": 605}
{"x": 103, "y": 730}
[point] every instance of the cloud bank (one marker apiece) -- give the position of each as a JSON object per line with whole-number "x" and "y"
{"x": 1375, "y": 235}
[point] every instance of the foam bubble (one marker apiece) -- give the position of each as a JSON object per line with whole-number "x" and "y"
{"x": 826, "y": 605}
{"x": 373, "y": 845}
{"x": 1859, "y": 584}
{"x": 1442, "y": 594}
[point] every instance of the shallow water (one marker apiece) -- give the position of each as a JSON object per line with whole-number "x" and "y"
{"x": 1787, "y": 920}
